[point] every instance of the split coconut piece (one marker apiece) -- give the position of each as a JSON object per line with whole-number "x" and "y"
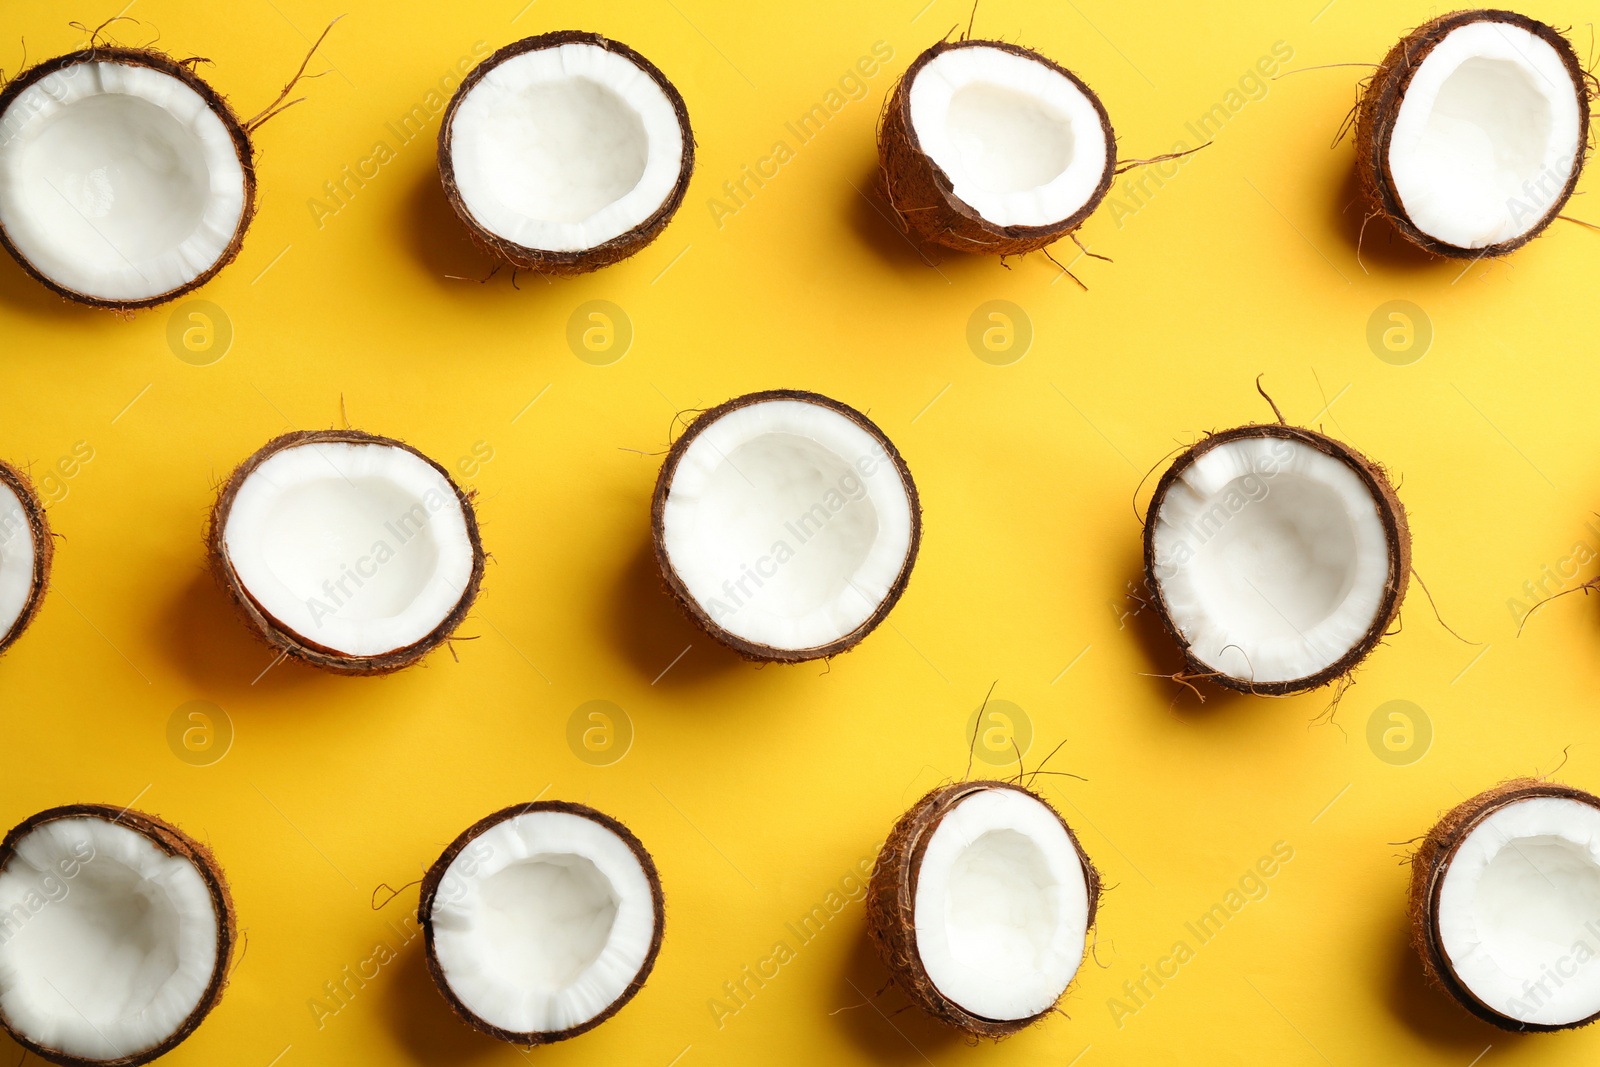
{"x": 352, "y": 552}
{"x": 980, "y": 905}
{"x": 116, "y": 931}
{"x": 1471, "y": 135}
{"x": 565, "y": 152}
{"x": 989, "y": 147}
{"x": 541, "y": 921}
{"x": 125, "y": 180}
{"x": 1276, "y": 558}
{"x": 785, "y": 524}
{"x": 26, "y": 551}
{"x": 1505, "y": 905}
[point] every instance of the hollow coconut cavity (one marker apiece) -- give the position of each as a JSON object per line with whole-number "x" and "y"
{"x": 116, "y": 931}
{"x": 786, "y": 525}
{"x": 1277, "y": 558}
{"x": 1505, "y": 905}
{"x": 980, "y": 905}
{"x": 352, "y": 552}
{"x": 125, "y": 180}
{"x": 26, "y": 552}
{"x": 1471, "y": 135}
{"x": 989, "y": 147}
{"x": 541, "y": 921}
{"x": 565, "y": 152}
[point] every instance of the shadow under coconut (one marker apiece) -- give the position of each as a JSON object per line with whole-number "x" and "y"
{"x": 1381, "y": 246}
{"x": 423, "y": 1022}
{"x": 651, "y": 631}
{"x": 1425, "y": 1010}
{"x": 439, "y": 243}
{"x": 876, "y": 1015}
{"x": 876, "y": 226}
{"x": 20, "y": 291}
{"x": 200, "y": 632}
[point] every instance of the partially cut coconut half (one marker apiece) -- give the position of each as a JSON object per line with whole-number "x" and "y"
{"x": 565, "y": 152}
{"x": 980, "y": 905}
{"x": 1471, "y": 135}
{"x": 352, "y": 552}
{"x": 125, "y": 180}
{"x": 989, "y": 147}
{"x": 1276, "y": 558}
{"x": 116, "y": 931}
{"x": 1505, "y": 905}
{"x": 541, "y": 921}
{"x": 785, "y": 524}
{"x": 26, "y": 551}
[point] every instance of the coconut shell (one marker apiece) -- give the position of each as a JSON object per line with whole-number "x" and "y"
{"x": 1428, "y": 867}
{"x": 44, "y": 550}
{"x": 1397, "y": 532}
{"x": 158, "y": 61}
{"x": 922, "y": 194}
{"x": 430, "y": 891}
{"x": 546, "y": 261}
{"x": 174, "y": 842}
{"x": 1379, "y": 109}
{"x": 891, "y": 905}
{"x": 279, "y": 635}
{"x": 691, "y": 607}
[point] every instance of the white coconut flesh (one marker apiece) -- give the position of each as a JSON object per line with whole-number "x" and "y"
{"x": 543, "y": 921}
{"x": 118, "y": 181}
{"x": 1519, "y": 911}
{"x": 788, "y": 523}
{"x": 359, "y": 548}
{"x": 562, "y": 149}
{"x": 17, "y": 557}
{"x": 1486, "y": 135}
{"x": 1020, "y": 142}
{"x": 1272, "y": 558}
{"x": 1002, "y": 906}
{"x": 107, "y": 943}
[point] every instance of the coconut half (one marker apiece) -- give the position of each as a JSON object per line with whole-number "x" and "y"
{"x": 352, "y": 552}
{"x": 1471, "y": 135}
{"x": 565, "y": 152}
{"x": 116, "y": 931}
{"x": 980, "y": 905}
{"x": 26, "y": 552}
{"x": 986, "y": 146}
{"x": 785, "y": 524}
{"x": 1276, "y": 558}
{"x": 1505, "y": 905}
{"x": 541, "y": 921}
{"x": 125, "y": 180}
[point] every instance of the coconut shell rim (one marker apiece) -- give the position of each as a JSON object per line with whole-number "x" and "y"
{"x": 215, "y": 102}
{"x": 440, "y": 866}
{"x": 283, "y": 637}
{"x": 1397, "y": 533}
{"x": 679, "y": 591}
{"x": 174, "y": 842}
{"x": 1379, "y": 107}
{"x": 579, "y": 261}
{"x": 44, "y": 551}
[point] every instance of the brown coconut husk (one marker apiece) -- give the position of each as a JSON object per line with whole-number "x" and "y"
{"x": 430, "y": 891}
{"x": 545, "y": 261}
{"x": 1396, "y": 530}
{"x": 237, "y": 132}
{"x": 1379, "y": 108}
{"x": 174, "y": 842}
{"x": 280, "y": 636}
{"x": 691, "y": 607}
{"x": 44, "y": 550}
{"x": 923, "y": 195}
{"x": 1432, "y": 861}
{"x": 891, "y": 905}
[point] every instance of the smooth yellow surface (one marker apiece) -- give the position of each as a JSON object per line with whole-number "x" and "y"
{"x": 760, "y": 791}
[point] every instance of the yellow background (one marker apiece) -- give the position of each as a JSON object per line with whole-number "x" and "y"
{"x": 759, "y": 791}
